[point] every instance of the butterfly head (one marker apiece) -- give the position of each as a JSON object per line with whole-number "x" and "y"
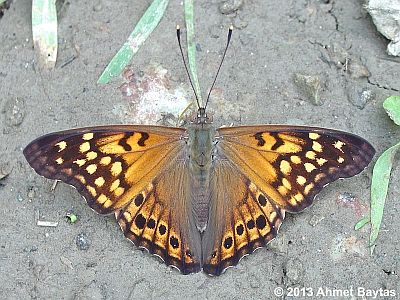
{"x": 201, "y": 117}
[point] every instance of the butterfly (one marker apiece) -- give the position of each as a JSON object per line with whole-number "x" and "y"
{"x": 197, "y": 197}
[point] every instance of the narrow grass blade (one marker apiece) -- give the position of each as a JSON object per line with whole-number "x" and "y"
{"x": 360, "y": 224}
{"x": 379, "y": 188}
{"x": 147, "y": 23}
{"x": 191, "y": 46}
{"x": 392, "y": 107}
{"x": 44, "y": 32}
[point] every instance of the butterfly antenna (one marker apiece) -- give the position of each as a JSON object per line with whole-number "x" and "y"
{"x": 220, "y": 65}
{"x": 178, "y": 34}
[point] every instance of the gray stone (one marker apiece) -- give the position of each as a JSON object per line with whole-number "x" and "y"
{"x": 310, "y": 86}
{"x": 386, "y": 17}
{"x": 230, "y": 6}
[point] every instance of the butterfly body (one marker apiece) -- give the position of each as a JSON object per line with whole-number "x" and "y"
{"x": 199, "y": 198}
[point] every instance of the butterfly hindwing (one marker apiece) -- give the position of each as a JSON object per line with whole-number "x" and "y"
{"x": 160, "y": 219}
{"x": 291, "y": 164}
{"x": 107, "y": 165}
{"x": 242, "y": 219}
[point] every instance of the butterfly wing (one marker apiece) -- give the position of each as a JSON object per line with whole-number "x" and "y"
{"x": 241, "y": 218}
{"x": 265, "y": 171}
{"x": 291, "y": 164}
{"x": 138, "y": 172}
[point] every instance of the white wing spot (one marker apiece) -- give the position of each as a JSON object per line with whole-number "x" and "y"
{"x": 61, "y": 145}
{"x": 87, "y": 136}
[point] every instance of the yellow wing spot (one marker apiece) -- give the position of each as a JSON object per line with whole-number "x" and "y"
{"x": 105, "y": 160}
{"x": 87, "y": 136}
{"x": 91, "y": 168}
{"x": 116, "y": 168}
{"x": 99, "y": 181}
{"x": 128, "y": 216}
{"x": 293, "y": 201}
{"x": 286, "y": 183}
{"x": 114, "y": 185}
{"x": 59, "y": 160}
{"x": 308, "y": 188}
{"x": 272, "y": 216}
{"x": 313, "y": 135}
{"x": 107, "y": 204}
{"x": 319, "y": 176}
{"x": 299, "y": 197}
{"x": 80, "y": 162}
{"x": 309, "y": 167}
{"x": 61, "y": 145}
{"x": 253, "y": 188}
{"x": 310, "y": 154}
{"x": 338, "y": 145}
{"x": 295, "y": 159}
{"x": 81, "y": 179}
{"x": 91, "y": 155}
{"x": 84, "y": 147}
{"x": 340, "y": 159}
{"x": 282, "y": 190}
{"x": 317, "y": 146}
{"x": 321, "y": 161}
{"x": 332, "y": 170}
{"x": 285, "y": 167}
{"x": 91, "y": 190}
{"x": 102, "y": 198}
{"x": 301, "y": 180}
{"x": 119, "y": 191}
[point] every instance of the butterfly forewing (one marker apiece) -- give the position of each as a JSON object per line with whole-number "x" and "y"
{"x": 107, "y": 165}
{"x": 291, "y": 164}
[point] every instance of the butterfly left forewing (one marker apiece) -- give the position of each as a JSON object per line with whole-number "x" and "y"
{"x": 108, "y": 165}
{"x": 291, "y": 164}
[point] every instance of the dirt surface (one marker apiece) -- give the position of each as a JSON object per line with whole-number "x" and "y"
{"x": 272, "y": 41}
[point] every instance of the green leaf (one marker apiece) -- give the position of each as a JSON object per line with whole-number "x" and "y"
{"x": 191, "y": 46}
{"x": 392, "y": 107}
{"x": 360, "y": 224}
{"x": 379, "y": 188}
{"x": 147, "y": 23}
{"x": 44, "y": 31}
{"x": 72, "y": 218}
{"x": 2, "y": 1}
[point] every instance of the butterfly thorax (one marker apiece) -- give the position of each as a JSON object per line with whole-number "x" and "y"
{"x": 201, "y": 136}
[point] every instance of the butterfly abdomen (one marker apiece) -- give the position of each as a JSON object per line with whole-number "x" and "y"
{"x": 200, "y": 148}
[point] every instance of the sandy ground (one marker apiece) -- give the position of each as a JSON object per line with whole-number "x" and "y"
{"x": 273, "y": 40}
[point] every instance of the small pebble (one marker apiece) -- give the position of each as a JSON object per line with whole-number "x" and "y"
{"x": 31, "y": 192}
{"x": 358, "y": 70}
{"x": 82, "y": 241}
{"x": 230, "y": 6}
{"x": 310, "y": 86}
{"x": 294, "y": 271}
{"x": 14, "y": 111}
{"x": 98, "y": 6}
